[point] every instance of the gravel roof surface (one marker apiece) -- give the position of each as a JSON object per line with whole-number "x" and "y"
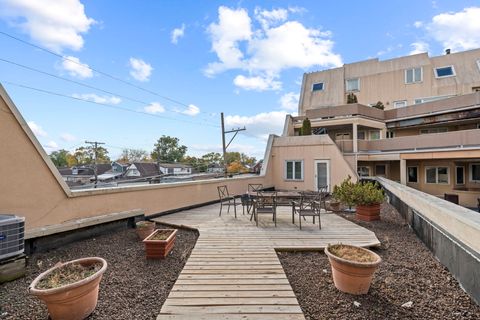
{"x": 131, "y": 288}
{"x": 409, "y": 273}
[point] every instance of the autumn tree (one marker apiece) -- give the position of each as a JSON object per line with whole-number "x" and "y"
{"x": 133, "y": 155}
{"x": 60, "y": 158}
{"x": 167, "y": 149}
{"x": 86, "y": 155}
{"x": 236, "y": 167}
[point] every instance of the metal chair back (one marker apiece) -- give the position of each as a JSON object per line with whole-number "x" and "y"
{"x": 254, "y": 187}
{"x": 223, "y": 192}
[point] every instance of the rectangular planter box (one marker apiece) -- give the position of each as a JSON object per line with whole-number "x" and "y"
{"x": 159, "y": 249}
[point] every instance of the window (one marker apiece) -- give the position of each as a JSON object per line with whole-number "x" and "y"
{"x": 318, "y": 86}
{"x": 390, "y": 134}
{"x": 361, "y": 135}
{"x": 475, "y": 89}
{"x": 439, "y": 175}
{"x": 429, "y": 99}
{"x": 294, "y": 170}
{"x": 459, "y": 175}
{"x": 412, "y": 174}
{"x": 380, "y": 169}
{"x": 433, "y": 130}
{"x": 475, "y": 172}
{"x": 353, "y": 85}
{"x": 374, "y": 134}
{"x": 400, "y": 104}
{"x": 444, "y": 72}
{"x": 414, "y": 75}
{"x": 363, "y": 171}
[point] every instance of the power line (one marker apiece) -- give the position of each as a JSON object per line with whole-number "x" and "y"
{"x": 85, "y": 85}
{"x": 97, "y": 70}
{"x": 104, "y": 104}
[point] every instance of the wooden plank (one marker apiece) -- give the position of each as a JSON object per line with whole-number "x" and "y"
{"x": 209, "y": 282}
{"x": 242, "y": 309}
{"x": 231, "y": 294}
{"x": 223, "y": 301}
{"x": 245, "y": 316}
{"x": 232, "y": 276}
{"x": 233, "y": 287}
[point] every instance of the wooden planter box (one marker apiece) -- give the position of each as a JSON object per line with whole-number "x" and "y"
{"x": 368, "y": 213}
{"x": 159, "y": 249}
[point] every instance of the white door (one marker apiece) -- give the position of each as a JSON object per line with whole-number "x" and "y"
{"x": 322, "y": 174}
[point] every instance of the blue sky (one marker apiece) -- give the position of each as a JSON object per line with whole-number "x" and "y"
{"x": 243, "y": 58}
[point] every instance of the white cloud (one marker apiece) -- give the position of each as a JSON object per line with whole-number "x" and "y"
{"x": 154, "y": 108}
{"x": 54, "y": 24}
{"x": 418, "y": 24}
{"x": 258, "y": 83}
{"x": 456, "y": 30}
{"x": 51, "y": 146}
{"x": 36, "y": 129}
{"x": 75, "y": 68}
{"x": 257, "y": 151}
{"x": 141, "y": 70}
{"x": 67, "y": 137}
{"x": 260, "y": 125}
{"x": 98, "y": 99}
{"x": 192, "y": 110}
{"x": 419, "y": 47}
{"x": 178, "y": 33}
{"x": 289, "y": 101}
{"x": 265, "y": 52}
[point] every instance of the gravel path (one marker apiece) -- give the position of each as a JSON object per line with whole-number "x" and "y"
{"x": 132, "y": 287}
{"x": 409, "y": 272}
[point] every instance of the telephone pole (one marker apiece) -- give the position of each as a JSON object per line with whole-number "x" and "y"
{"x": 95, "y": 145}
{"x": 224, "y": 147}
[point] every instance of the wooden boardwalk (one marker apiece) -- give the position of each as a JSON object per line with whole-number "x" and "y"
{"x": 234, "y": 272}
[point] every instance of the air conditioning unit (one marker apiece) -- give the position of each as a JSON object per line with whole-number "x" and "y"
{"x": 12, "y": 232}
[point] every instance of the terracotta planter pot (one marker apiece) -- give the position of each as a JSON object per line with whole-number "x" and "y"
{"x": 368, "y": 213}
{"x": 350, "y": 276}
{"x": 144, "y": 229}
{"x": 159, "y": 249}
{"x": 74, "y": 301}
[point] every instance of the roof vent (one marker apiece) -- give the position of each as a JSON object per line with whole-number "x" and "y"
{"x": 447, "y": 51}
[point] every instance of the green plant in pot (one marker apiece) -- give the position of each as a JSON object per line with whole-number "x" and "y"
{"x": 345, "y": 193}
{"x": 367, "y": 197}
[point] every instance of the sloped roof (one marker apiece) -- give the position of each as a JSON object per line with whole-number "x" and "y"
{"x": 147, "y": 169}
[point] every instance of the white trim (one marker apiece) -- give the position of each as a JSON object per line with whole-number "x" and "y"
{"x": 478, "y": 64}
{"x": 456, "y": 177}
{"x": 293, "y": 170}
{"x": 355, "y": 90}
{"x": 408, "y": 167}
{"x": 470, "y": 175}
{"x": 413, "y": 75}
{"x": 436, "y": 175}
{"x": 449, "y": 66}
{"x": 323, "y": 86}
{"x": 398, "y": 101}
{"x": 316, "y": 173}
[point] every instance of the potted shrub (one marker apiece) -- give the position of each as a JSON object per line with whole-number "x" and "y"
{"x": 70, "y": 289}
{"x": 160, "y": 243}
{"x": 144, "y": 228}
{"x": 352, "y": 267}
{"x": 367, "y": 197}
{"x": 345, "y": 193}
{"x": 335, "y": 205}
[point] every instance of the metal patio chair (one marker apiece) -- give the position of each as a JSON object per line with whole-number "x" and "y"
{"x": 227, "y": 200}
{"x": 309, "y": 206}
{"x": 263, "y": 204}
{"x": 247, "y": 199}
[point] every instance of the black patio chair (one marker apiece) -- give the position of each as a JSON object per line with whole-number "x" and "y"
{"x": 263, "y": 204}
{"x": 309, "y": 206}
{"x": 247, "y": 199}
{"x": 227, "y": 200}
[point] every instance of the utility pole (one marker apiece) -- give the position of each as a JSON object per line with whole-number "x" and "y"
{"x": 95, "y": 145}
{"x": 224, "y": 147}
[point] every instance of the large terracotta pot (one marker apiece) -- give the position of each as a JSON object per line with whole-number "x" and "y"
{"x": 144, "y": 229}
{"x": 368, "y": 212}
{"x": 159, "y": 249}
{"x": 350, "y": 276}
{"x": 74, "y": 301}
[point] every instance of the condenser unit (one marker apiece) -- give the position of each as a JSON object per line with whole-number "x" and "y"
{"x": 12, "y": 232}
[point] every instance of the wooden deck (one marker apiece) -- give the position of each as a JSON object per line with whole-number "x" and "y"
{"x": 234, "y": 272}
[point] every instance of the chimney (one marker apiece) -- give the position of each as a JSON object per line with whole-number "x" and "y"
{"x": 447, "y": 51}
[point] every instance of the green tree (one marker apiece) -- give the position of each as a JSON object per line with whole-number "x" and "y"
{"x": 352, "y": 98}
{"x": 133, "y": 155}
{"x": 212, "y": 158}
{"x": 306, "y": 127}
{"x": 167, "y": 149}
{"x": 86, "y": 155}
{"x": 60, "y": 158}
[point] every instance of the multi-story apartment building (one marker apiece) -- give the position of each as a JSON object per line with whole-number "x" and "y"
{"x": 427, "y": 137}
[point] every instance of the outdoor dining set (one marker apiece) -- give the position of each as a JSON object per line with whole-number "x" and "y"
{"x": 258, "y": 201}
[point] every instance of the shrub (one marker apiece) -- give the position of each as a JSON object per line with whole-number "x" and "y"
{"x": 345, "y": 192}
{"x": 352, "y": 98}
{"x": 306, "y": 128}
{"x": 379, "y": 105}
{"x": 364, "y": 194}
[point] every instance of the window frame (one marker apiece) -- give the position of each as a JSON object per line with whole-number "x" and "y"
{"x": 413, "y": 75}
{"x": 437, "y": 130}
{"x": 354, "y": 90}
{"x": 436, "y": 174}
{"x": 456, "y": 176}
{"x": 408, "y": 176}
{"x": 323, "y": 86}
{"x": 470, "y": 175}
{"x": 404, "y": 101}
{"x": 370, "y": 134}
{"x": 364, "y": 134}
{"x": 379, "y": 165}
{"x": 390, "y": 134}
{"x": 448, "y": 76}
{"x": 293, "y": 172}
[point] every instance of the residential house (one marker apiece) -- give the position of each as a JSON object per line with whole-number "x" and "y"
{"x": 175, "y": 168}
{"x": 427, "y": 137}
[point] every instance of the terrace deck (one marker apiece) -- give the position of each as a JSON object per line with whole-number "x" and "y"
{"x": 233, "y": 271}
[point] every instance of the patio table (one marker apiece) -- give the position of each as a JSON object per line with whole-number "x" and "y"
{"x": 284, "y": 198}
